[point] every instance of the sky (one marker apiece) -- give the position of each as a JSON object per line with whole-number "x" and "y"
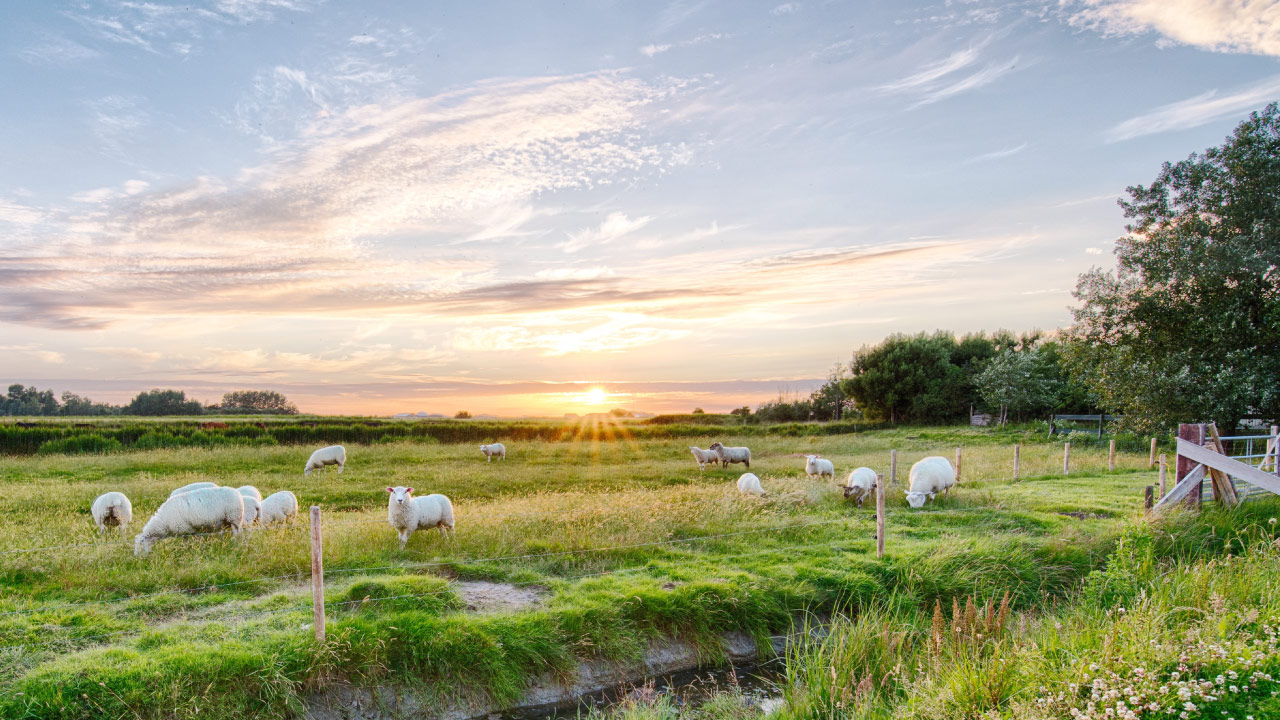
{"x": 379, "y": 207}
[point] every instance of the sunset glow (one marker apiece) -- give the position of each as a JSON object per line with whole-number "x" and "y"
{"x": 378, "y": 207}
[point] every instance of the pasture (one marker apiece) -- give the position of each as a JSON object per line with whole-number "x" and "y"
{"x": 609, "y": 545}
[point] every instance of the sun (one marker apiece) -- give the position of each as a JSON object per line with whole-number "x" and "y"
{"x": 595, "y": 396}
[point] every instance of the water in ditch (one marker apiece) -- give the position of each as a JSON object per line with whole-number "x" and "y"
{"x": 758, "y": 685}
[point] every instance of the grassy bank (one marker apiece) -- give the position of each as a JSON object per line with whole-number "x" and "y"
{"x": 622, "y": 541}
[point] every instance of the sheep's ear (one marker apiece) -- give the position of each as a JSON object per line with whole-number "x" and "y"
{"x": 408, "y": 490}
{"x": 391, "y": 490}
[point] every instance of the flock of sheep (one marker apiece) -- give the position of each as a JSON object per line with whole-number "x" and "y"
{"x": 206, "y": 507}
{"x": 929, "y": 477}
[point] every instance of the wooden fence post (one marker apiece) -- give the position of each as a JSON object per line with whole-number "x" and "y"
{"x": 1017, "y": 459}
{"x": 957, "y": 466}
{"x": 1152, "y": 461}
{"x": 1164, "y": 474}
{"x": 1111, "y": 456}
{"x": 317, "y": 574}
{"x": 1066, "y": 459}
{"x": 880, "y": 516}
{"x": 893, "y": 467}
{"x": 1275, "y": 442}
{"x": 1147, "y": 502}
{"x": 1194, "y": 433}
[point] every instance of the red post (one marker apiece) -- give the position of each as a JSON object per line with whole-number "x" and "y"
{"x": 1191, "y": 432}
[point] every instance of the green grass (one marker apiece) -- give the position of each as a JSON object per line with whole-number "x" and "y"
{"x": 566, "y": 509}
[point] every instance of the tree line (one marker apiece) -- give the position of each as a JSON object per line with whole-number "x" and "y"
{"x": 30, "y": 401}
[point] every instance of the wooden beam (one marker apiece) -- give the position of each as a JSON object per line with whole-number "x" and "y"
{"x": 1184, "y": 487}
{"x": 1223, "y": 490}
{"x": 1230, "y": 466}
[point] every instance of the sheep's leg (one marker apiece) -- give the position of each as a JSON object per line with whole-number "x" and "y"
{"x": 404, "y": 537}
{"x": 340, "y": 467}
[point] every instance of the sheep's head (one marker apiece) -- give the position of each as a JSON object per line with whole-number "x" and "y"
{"x": 716, "y": 446}
{"x": 399, "y": 495}
{"x": 915, "y": 499}
{"x": 142, "y": 544}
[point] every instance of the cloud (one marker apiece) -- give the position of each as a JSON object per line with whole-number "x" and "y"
{"x": 1093, "y": 250}
{"x": 785, "y": 9}
{"x": 302, "y": 232}
{"x": 116, "y": 121}
{"x": 613, "y": 333}
{"x": 651, "y": 49}
{"x": 582, "y": 273}
{"x": 937, "y": 81}
{"x": 16, "y": 213}
{"x": 677, "y": 13}
{"x": 36, "y": 352}
{"x": 161, "y": 29}
{"x": 57, "y": 50}
{"x": 995, "y": 154}
{"x": 1229, "y": 26}
{"x": 615, "y": 226}
{"x": 1196, "y": 111}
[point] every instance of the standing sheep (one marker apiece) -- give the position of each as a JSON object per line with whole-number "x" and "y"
{"x": 749, "y": 484}
{"x": 252, "y": 503}
{"x": 193, "y": 486}
{"x": 929, "y": 477}
{"x": 205, "y": 510}
{"x": 815, "y": 465}
{"x": 704, "y": 456}
{"x": 494, "y": 450}
{"x": 861, "y": 482}
{"x": 730, "y": 455}
{"x": 112, "y": 509}
{"x": 250, "y": 491}
{"x": 407, "y": 513}
{"x": 278, "y": 507}
{"x": 332, "y": 455}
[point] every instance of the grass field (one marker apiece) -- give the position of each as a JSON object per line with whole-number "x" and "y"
{"x": 91, "y": 631}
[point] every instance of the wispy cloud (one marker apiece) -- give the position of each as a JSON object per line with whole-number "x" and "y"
{"x": 785, "y": 8}
{"x": 57, "y": 50}
{"x": 933, "y": 71}
{"x": 676, "y": 13}
{"x": 615, "y": 226}
{"x": 1196, "y": 111}
{"x": 1232, "y": 26}
{"x": 979, "y": 79}
{"x": 610, "y": 332}
{"x": 996, "y": 154}
{"x": 651, "y": 49}
{"x": 942, "y": 79}
{"x": 161, "y": 29}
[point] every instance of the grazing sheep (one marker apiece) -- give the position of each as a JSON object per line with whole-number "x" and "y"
{"x": 704, "y": 456}
{"x": 407, "y": 513}
{"x": 861, "y": 482}
{"x": 749, "y": 484}
{"x": 193, "y": 486}
{"x": 278, "y": 507}
{"x": 729, "y": 455}
{"x": 250, "y": 491}
{"x": 494, "y": 450}
{"x": 332, "y": 455}
{"x": 252, "y": 509}
{"x": 113, "y": 509}
{"x": 929, "y": 477}
{"x": 815, "y": 465}
{"x": 205, "y": 510}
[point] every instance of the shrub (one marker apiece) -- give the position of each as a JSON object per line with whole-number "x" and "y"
{"x": 81, "y": 445}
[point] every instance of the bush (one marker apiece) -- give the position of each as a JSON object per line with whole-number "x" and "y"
{"x": 81, "y": 445}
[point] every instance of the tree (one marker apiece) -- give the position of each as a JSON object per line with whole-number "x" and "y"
{"x": 744, "y": 411}
{"x": 1188, "y": 325}
{"x": 22, "y": 400}
{"x": 698, "y": 411}
{"x": 462, "y": 415}
{"x": 1013, "y": 381}
{"x": 163, "y": 402}
{"x": 257, "y": 401}
{"x": 908, "y": 378}
{"x": 75, "y": 406}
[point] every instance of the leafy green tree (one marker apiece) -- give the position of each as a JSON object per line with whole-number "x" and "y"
{"x": 163, "y": 402}
{"x": 698, "y": 411}
{"x": 1013, "y": 381}
{"x": 22, "y": 400}
{"x": 462, "y": 415}
{"x": 1188, "y": 325}
{"x": 75, "y": 406}
{"x": 257, "y": 401}
{"x": 908, "y": 378}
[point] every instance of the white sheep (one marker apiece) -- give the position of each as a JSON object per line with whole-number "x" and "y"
{"x": 861, "y": 482}
{"x": 278, "y": 507}
{"x": 252, "y": 509}
{"x": 193, "y": 486}
{"x": 332, "y": 455}
{"x": 493, "y": 450}
{"x": 929, "y": 477}
{"x": 407, "y": 513}
{"x": 815, "y": 465}
{"x": 204, "y": 510}
{"x": 729, "y": 455}
{"x": 250, "y": 491}
{"x": 704, "y": 456}
{"x": 749, "y": 484}
{"x": 112, "y": 509}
